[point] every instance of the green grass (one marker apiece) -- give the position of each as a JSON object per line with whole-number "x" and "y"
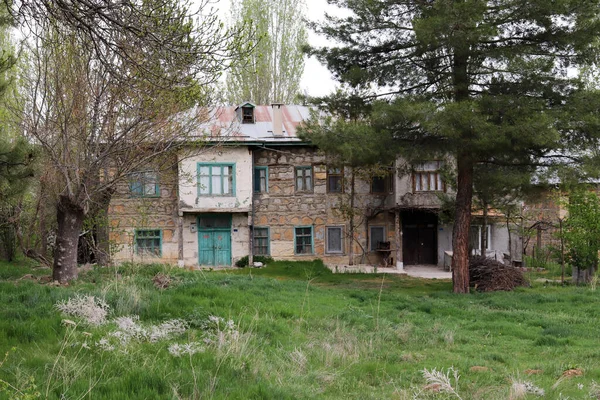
{"x": 300, "y": 332}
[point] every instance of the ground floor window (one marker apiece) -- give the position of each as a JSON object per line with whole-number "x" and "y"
{"x": 148, "y": 242}
{"x": 334, "y": 239}
{"x": 303, "y": 240}
{"x": 475, "y": 238}
{"x": 261, "y": 241}
{"x": 376, "y": 236}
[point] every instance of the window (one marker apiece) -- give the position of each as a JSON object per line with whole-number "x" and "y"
{"x": 261, "y": 179}
{"x": 148, "y": 242}
{"x": 475, "y": 242}
{"x": 247, "y": 115}
{"x": 376, "y": 236}
{"x": 335, "y": 180}
{"x": 261, "y": 241}
{"x": 144, "y": 184}
{"x": 216, "y": 179}
{"x": 304, "y": 179}
{"x": 334, "y": 239}
{"x": 427, "y": 177}
{"x": 303, "y": 240}
{"x": 382, "y": 184}
{"x": 214, "y": 221}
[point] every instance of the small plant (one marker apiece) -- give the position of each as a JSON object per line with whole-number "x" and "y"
{"x": 442, "y": 381}
{"x": 243, "y": 262}
{"x": 89, "y": 308}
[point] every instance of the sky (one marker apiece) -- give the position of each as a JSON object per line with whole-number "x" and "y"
{"x": 316, "y": 80}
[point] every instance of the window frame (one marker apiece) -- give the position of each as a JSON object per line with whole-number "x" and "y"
{"x": 268, "y": 237}
{"x": 257, "y": 169}
{"x": 421, "y": 170}
{"x": 339, "y": 175}
{"x": 388, "y": 184}
{"x": 210, "y": 180}
{"x": 342, "y": 247}
{"x": 248, "y": 114}
{"x": 371, "y": 247}
{"x": 135, "y": 178}
{"x": 312, "y": 239}
{"x": 312, "y": 182}
{"x": 137, "y": 247}
{"x": 478, "y": 251}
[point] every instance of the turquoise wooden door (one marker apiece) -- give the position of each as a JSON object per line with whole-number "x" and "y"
{"x": 215, "y": 247}
{"x": 214, "y": 239}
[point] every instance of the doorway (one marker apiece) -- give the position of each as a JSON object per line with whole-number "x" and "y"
{"x": 419, "y": 237}
{"x": 214, "y": 239}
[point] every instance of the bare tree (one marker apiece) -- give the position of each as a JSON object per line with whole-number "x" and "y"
{"x": 99, "y": 116}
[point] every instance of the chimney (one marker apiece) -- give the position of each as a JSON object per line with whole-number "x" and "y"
{"x": 277, "y": 119}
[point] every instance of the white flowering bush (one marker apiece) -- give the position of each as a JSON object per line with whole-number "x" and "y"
{"x": 91, "y": 309}
{"x": 189, "y": 349}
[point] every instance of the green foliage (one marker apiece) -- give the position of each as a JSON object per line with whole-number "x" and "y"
{"x": 582, "y": 229}
{"x": 243, "y": 262}
{"x": 302, "y": 332}
{"x": 475, "y": 81}
{"x": 271, "y": 72}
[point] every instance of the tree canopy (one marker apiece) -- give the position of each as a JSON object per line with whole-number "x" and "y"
{"x": 271, "y": 72}
{"x": 484, "y": 82}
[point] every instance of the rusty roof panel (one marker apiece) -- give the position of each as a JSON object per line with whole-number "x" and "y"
{"x": 224, "y": 123}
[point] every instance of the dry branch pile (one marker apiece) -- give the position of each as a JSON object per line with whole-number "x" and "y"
{"x": 488, "y": 275}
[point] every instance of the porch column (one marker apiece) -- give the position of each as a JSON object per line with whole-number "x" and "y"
{"x": 180, "y": 262}
{"x": 399, "y": 264}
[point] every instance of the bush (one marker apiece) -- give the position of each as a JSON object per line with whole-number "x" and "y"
{"x": 243, "y": 262}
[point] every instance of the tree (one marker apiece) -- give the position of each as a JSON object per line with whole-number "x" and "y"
{"x": 272, "y": 72}
{"x": 98, "y": 122}
{"x": 17, "y": 156}
{"x": 488, "y": 82}
{"x": 581, "y": 233}
{"x": 336, "y": 134}
{"x": 117, "y": 31}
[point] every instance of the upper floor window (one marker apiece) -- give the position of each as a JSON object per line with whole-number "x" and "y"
{"x": 382, "y": 184}
{"x": 216, "y": 179}
{"x": 304, "y": 181}
{"x": 261, "y": 179}
{"x": 427, "y": 177}
{"x": 247, "y": 114}
{"x": 144, "y": 184}
{"x": 335, "y": 180}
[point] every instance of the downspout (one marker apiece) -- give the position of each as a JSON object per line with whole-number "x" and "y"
{"x": 251, "y": 217}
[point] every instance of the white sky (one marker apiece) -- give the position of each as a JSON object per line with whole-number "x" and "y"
{"x": 316, "y": 80}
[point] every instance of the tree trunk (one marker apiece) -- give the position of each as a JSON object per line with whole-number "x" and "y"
{"x": 70, "y": 218}
{"x": 462, "y": 224}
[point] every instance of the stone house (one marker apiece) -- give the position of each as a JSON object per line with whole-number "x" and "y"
{"x": 256, "y": 187}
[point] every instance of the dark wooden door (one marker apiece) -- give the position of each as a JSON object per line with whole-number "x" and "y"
{"x": 419, "y": 239}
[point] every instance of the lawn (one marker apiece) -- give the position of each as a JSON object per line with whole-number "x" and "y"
{"x": 290, "y": 331}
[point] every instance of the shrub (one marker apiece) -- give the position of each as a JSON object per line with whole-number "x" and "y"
{"x": 243, "y": 262}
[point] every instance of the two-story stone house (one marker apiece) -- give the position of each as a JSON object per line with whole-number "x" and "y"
{"x": 253, "y": 186}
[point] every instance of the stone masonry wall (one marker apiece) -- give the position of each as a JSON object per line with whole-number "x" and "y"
{"x": 127, "y": 213}
{"x": 283, "y": 208}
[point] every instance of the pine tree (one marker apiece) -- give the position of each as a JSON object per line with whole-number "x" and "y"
{"x": 488, "y": 82}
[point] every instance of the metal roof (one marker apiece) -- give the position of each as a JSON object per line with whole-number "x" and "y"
{"x": 224, "y": 123}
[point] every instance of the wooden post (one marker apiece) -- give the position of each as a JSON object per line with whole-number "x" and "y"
{"x": 399, "y": 264}
{"x": 180, "y": 261}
